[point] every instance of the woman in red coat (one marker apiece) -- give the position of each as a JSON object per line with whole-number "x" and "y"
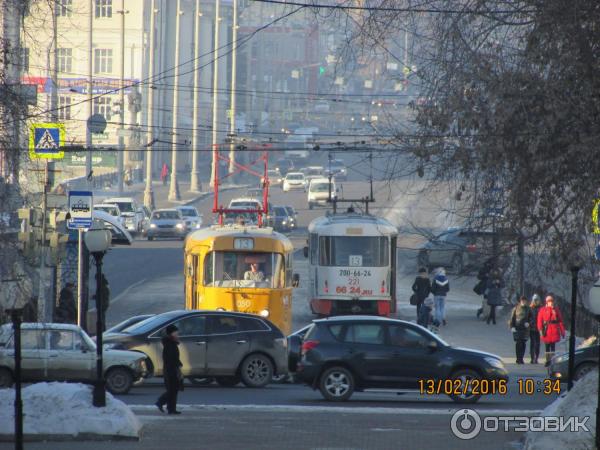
{"x": 551, "y": 327}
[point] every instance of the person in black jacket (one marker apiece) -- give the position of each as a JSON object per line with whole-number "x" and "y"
{"x": 534, "y": 334}
{"x": 171, "y": 371}
{"x": 520, "y": 324}
{"x": 66, "y": 312}
{"x": 421, "y": 287}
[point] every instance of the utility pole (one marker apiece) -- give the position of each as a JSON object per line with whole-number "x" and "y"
{"x": 174, "y": 187}
{"x": 148, "y": 192}
{"x": 233, "y": 87}
{"x": 195, "y": 185}
{"x": 90, "y": 96}
{"x": 121, "y": 155}
{"x": 215, "y": 105}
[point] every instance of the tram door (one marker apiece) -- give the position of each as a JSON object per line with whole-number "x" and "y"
{"x": 194, "y": 285}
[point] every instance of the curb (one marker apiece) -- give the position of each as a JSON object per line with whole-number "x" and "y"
{"x": 69, "y": 437}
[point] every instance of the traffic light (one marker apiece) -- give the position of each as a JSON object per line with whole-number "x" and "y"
{"x": 322, "y": 70}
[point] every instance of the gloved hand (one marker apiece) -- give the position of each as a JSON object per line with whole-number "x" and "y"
{"x": 513, "y": 329}
{"x": 526, "y": 324}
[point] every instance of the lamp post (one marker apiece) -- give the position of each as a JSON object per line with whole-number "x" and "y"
{"x": 574, "y": 277}
{"x": 97, "y": 240}
{"x": 594, "y": 307}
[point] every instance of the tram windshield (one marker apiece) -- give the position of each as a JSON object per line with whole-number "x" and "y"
{"x": 354, "y": 251}
{"x": 244, "y": 270}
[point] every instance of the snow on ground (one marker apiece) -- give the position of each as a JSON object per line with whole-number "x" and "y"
{"x": 581, "y": 401}
{"x": 66, "y": 409}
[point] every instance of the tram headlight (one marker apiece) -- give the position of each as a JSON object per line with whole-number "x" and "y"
{"x": 264, "y": 313}
{"x": 220, "y": 309}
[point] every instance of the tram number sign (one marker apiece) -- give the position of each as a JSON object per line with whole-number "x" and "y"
{"x": 355, "y": 260}
{"x": 354, "y": 273}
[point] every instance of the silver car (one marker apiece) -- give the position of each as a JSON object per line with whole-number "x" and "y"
{"x": 193, "y": 220}
{"x": 167, "y": 223}
{"x": 229, "y": 346}
{"x": 63, "y": 352}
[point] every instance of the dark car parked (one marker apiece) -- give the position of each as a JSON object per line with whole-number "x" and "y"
{"x": 231, "y": 347}
{"x": 586, "y": 360}
{"x": 292, "y": 214}
{"x": 279, "y": 219}
{"x": 460, "y": 249}
{"x": 344, "y": 354}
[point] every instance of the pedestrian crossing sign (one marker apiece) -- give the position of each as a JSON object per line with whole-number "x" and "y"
{"x": 47, "y": 140}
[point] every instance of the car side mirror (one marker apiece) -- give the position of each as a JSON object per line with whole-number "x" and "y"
{"x": 432, "y": 346}
{"x": 295, "y": 280}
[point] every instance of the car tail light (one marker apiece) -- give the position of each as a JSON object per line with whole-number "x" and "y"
{"x": 471, "y": 247}
{"x": 326, "y": 288}
{"x": 307, "y": 346}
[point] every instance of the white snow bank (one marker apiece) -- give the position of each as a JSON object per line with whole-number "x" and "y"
{"x": 581, "y": 401}
{"x": 66, "y": 409}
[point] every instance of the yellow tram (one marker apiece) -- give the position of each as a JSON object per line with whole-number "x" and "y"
{"x": 240, "y": 268}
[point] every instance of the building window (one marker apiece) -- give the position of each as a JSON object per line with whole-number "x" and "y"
{"x": 103, "y": 60}
{"x": 64, "y": 107}
{"x": 103, "y": 8}
{"x": 64, "y": 8}
{"x": 25, "y": 59}
{"x": 65, "y": 59}
{"x": 102, "y": 106}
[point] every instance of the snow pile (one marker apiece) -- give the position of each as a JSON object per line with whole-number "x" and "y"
{"x": 66, "y": 409}
{"x": 581, "y": 401}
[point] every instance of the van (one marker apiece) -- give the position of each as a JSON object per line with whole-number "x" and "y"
{"x": 318, "y": 192}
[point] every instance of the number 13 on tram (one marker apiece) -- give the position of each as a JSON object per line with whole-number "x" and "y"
{"x": 241, "y": 268}
{"x": 352, "y": 265}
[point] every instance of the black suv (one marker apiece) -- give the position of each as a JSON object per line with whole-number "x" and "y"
{"x": 344, "y": 354}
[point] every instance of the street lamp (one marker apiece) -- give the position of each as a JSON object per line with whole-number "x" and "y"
{"x": 97, "y": 240}
{"x": 594, "y": 307}
{"x": 576, "y": 263}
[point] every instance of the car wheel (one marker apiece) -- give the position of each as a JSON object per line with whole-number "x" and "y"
{"x": 228, "y": 381}
{"x": 119, "y": 380}
{"x": 256, "y": 370}
{"x": 457, "y": 264}
{"x": 6, "y": 378}
{"x": 423, "y": 259}
{"x": 200, "y": 381}
{"x": 336, "y": 384}
{"x": 465, "y": 376}
{"x": 583, "y": 369}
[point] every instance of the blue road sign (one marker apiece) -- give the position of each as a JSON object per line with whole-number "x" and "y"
{"x": 46, "y": 140}
{"x": 81, "y": 204}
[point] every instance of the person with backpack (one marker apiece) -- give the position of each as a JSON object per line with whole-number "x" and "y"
{"x": 551, "y": 327}
{"x": 534, "y": 334}
{"x": 520, "y": 324}
{"x": 493, "y": 294}
{"x": 440, "y": 288}
{"x": 421, "y": 289}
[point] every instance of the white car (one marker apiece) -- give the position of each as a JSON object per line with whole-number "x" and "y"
{"x": 245, "y": 203}
{"x": 112, "y": 209}
{"x": 318, "y": 192}
{"x": 132, "y": 213}
{"x": 312, "y": 172}
{"x": 294, "y": 181}
{"x": 193, "y": 220}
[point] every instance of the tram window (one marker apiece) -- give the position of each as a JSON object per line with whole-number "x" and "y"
{"x": 314, "y": 246}
{"x": 372, "y": 251}
{"x": 244, "y": 269}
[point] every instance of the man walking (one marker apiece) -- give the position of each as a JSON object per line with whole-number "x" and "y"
{"x": 171, "y": 371}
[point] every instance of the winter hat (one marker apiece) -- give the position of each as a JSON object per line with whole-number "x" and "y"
{"x": 535, "y": 298}
{"x": 441, "y": 271}
{"x": 171, "y": 329}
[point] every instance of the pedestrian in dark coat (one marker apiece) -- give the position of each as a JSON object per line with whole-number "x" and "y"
{"x": 483, "y": 276}
{"x": 171, "y": 371}
{"x": 534, "y": 334}
{"x": 551, "y": 327}
{"x": 66, "y": 312}
{"x": 421, "y": 288}
{"x": 520, "y": 324}
{"x": 493, "y": 294}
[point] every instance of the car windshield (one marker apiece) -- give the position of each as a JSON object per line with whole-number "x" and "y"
{"x": 313, "y": 171}
{"x": 125, "y": 206}
{"x": 290, "y": 210}
{"x": 107, "y": 209}
{"x": 248, "y": 218}
{"x": 244, "y": 204}
{"x": 354, "y": 251}
{"x": 320, "y": 187}
{"x": 280, "y": 211}
{"x": 273, "y": 173}
{"x": 244, "y": 270}
{"x": 165, "y": 215}
{"x": 189, "y": 212}
{"x": 146, "y": 325}
{"x": 295, "y": 176}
